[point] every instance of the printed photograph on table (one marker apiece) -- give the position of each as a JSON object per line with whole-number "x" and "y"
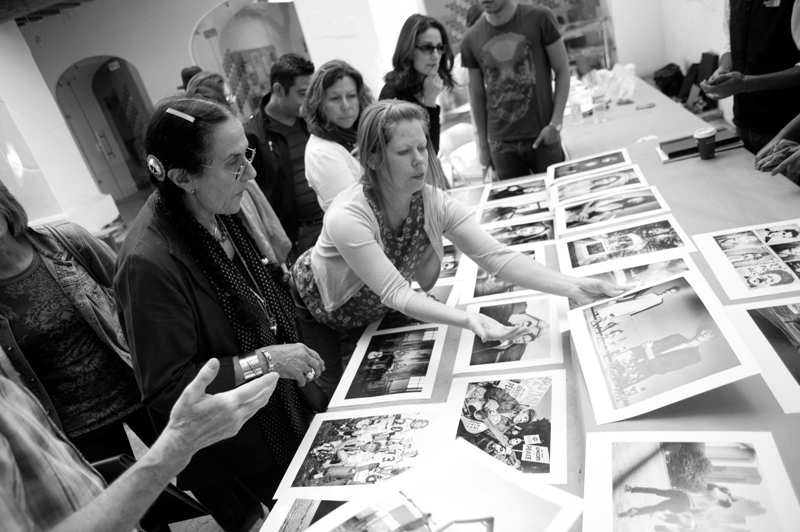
{"x": 754, "y": 261}
{"x": 469, "y": 196}
{"x": 450, "y": 262}
{"x": 478, "y": 285}
{"x": 391, "y": 366}
{"x": 571, "y": 190}
{"x": 772, "y": 329}
{"x": 656, "y": 346}
{"x": 703, "y": 481}
{"x": 645, "y": 273}
{"x": 447, "y": 294}
{"x": 344, "y": 454}
{"x": 591, "y": 164}
{"x": 459, "y": 489}
{"x": 529, "y": 188}
{"x": 612, "y": 208}
{"x": 296, "y": 515}
{"x": 652, "y": 240}
{"x": 523, "y": 232}
{"x": 517, "y": 419}
{"x": 490, "y": 216}
{"x": 539, "y": 344}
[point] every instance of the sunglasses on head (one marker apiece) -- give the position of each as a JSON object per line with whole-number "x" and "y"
{"x": 428, "y": 48}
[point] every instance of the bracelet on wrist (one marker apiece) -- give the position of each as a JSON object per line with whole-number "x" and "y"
{"x": 268, "y": 357}
{"x": 251, "y": 367}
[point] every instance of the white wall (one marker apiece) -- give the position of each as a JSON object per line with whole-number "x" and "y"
{"x": 41, "y": 126}
{"x": 639, "y": 33}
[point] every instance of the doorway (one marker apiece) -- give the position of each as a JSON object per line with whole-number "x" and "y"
{"x": 106, "y": 107}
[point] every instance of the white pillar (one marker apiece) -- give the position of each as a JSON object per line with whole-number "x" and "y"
{"x": 362, "y": 32}
{"x": 41, "y": 163}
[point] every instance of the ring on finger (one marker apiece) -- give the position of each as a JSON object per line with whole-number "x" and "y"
{"x": 310, "y": 375}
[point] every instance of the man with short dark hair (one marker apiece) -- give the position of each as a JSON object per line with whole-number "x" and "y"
{"x": 278, "y": 132}
{"x": 510, "y": 53}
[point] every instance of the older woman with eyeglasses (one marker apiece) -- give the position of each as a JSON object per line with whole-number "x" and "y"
{"x": 192, "y": 285}
{"x": 423, "y": 64}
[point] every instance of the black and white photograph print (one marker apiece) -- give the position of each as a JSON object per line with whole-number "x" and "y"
{"x": 539, "y": 344}
{"x": 479, "y": 285}
{"x": 450, "y": 262}
{"x": 391, "y": 366}
{"x": 492, "y": 215}
{"x": 612, "y": 208}
{"x": 583, "y": 188}
{"x": 517, "y": 419}
{"x": 296, "y": 515}
{"x": 700, "y": 481}
{"x": 470, "y": 196}
{"x": 517, "y": 233}
{"x": 645, "y": 273}
{"x": 760, "y": 260}
{"x": 345, "y": 453}
{"x": 636, "y": 242}
{"x": 458, "y": 489}
{"x": 593, "y": 163}
{"x": 656, "y": 346}
{"x": 772, "y": 329}
{"x": 517, "y": 189}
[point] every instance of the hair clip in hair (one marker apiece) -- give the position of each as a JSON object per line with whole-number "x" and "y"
{"x": 172, "y": 111}
{"x": 155, "y": 167}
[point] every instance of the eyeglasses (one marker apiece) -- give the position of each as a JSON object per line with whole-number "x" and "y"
{"x": 428, "y": 48}
{"x": 250, "y": 155}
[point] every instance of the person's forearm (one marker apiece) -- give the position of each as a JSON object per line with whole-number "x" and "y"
{"x": 430, "y": 311}
{"x": 790, "y": 132}
{"x": 725, "y": 62}
{"x": 477, "y": 101}
{"x": 123, "y": 504}
{"x": 525, "y": 272}
{"x": 785, "y": 79}
{"x": 561, "y": 95}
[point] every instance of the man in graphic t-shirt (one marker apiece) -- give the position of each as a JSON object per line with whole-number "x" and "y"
{"x": 279, "y": 133}
{"x": 510, "y": 53}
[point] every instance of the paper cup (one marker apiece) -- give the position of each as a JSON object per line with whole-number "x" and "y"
{"x": 706, "y": 142}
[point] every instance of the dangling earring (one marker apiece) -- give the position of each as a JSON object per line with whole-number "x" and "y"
{"x": 191, "y": 191}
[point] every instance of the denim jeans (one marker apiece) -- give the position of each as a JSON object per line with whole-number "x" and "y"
{"x": 753, "y": 140}
{"x": 517, "y": 158}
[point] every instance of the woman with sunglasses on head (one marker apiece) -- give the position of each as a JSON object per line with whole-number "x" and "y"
{"x": 423, "y": 63}
{"x": 192, "y": 285}
{"x": 335, "y": 99}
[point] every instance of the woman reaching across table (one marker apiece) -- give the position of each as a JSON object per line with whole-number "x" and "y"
{"x": 387, "y": 230}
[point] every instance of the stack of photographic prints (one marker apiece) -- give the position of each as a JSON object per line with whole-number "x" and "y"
{"x": 772, "y": 329}
{"x": 651, "y": 240}
{"x": 517, "y": 419}
{"x": 543, "y": 318}
{"x": 675, "y": 481}
{"x": 457, "y": 490}
{"x": 589, "y": 186}
{"x": 611, "y": 208}
{"x": 755, "y": 261}
{"x": 656, "y": 346}
{"x": 588, "y": 165}
{"x": 343, "y": 454}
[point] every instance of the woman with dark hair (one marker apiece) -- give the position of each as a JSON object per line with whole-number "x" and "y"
{"x": 335, "y": 99}
{"x": 192, "y": 286}
{"x": 423, "y": 64}
{"x": 387, "y": 230}
{"x": 60, "y": 334}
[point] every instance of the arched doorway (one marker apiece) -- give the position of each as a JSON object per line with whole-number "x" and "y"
{"x": 106, "y": 107}
{"x": 240, "y": 39}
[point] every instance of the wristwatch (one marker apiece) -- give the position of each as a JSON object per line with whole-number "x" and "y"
{"x": 555, "y": 126}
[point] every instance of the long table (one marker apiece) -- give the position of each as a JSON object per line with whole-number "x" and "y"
{"x": 704, "y": 196}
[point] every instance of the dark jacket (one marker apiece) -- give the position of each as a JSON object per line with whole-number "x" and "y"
{"x": 762, "y": 43}
{"x": 391, "y": 91}
{"x": 273, "y": 165}
{"x": 174, "y": 323}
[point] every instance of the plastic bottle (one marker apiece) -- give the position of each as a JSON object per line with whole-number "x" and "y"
{"x": 575, "y": 110}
